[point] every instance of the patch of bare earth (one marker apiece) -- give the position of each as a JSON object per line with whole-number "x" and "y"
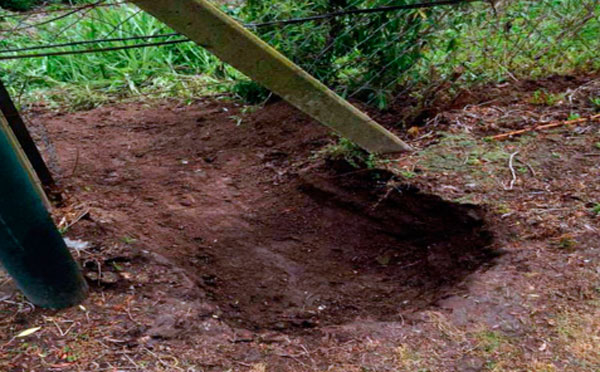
{"x": 221, "y": 240}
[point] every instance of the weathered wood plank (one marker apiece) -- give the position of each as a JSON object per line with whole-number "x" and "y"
{"x": 231, "y": 42}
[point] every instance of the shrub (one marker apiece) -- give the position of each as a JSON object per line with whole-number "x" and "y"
{"x": 18, "y": 4}
{"x": 360, "y": 55}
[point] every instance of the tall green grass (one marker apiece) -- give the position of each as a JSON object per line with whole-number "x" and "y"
{"x": 86, "y": 80}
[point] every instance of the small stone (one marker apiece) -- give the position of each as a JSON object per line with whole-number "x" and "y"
{"x": 163, "y": 327}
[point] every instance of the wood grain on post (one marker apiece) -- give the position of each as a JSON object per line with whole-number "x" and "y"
{"x": 24, "y": 160}
{"x": 212, "y": 29}
{"x": 16, "y": 124}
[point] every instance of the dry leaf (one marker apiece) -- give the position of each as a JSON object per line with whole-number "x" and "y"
{"x": 28, "y": 332}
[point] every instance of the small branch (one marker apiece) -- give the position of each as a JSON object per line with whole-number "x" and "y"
{"x": 555, "y": 124}
{"x": 512, "y": 171}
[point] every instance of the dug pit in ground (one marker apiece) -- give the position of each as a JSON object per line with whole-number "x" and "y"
{"x": 272, "y": 237}
{"x": 335, "y": 247}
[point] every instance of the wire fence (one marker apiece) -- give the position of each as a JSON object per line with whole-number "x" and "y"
{"x": 375, "y": 51}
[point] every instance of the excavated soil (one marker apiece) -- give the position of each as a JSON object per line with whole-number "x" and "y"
{"x": 272, "y": 235}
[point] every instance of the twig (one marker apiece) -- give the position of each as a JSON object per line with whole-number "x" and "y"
{"x": 383, "y": 198}
{"x": 555, "y": 124}
{"x": 79, "y": 218}
{"x": 512, "y": 171}
{"x": 528, "y": 166}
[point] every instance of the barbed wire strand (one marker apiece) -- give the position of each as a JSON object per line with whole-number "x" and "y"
{"x": 265, "y": 24}
{"x": 383, "y": 9}
{"x": 95, "y": 50}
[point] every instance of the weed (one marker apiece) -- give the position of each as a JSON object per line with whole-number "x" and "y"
{"x": 574, "y": 116}
{"x": 409, "y": 359}
{"x": 346, "y": 150}
{"x": 408, "y": 174}
{"x": 495, "y": 155}
{"x": 596, "y": 209}
{"x": 250, "y": 92}
{"x": 566, "y": 243}
{"x": 490, "y": 340}
{"x": 503, "y": 209}
{"x": 238, "y": 120}
{"x": 473, "y": 161}
{"x": 597, "y": 145}
{"x": 580, "y": 335}
{"x": 128, "y": 240}
{"x": 596, "y": 102}
{"x": 542, "y": 97}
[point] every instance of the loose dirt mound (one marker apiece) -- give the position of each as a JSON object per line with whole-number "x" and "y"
{"x": 276, "y": 240}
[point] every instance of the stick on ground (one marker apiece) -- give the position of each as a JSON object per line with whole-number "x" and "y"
{"x": 536, "y": 128}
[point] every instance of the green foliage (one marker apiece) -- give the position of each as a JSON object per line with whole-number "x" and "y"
{"x": 346, "y": 150}
{"x": 23, "y": 5}
{"x": 596, "y": 209}
{"x": 250, "y": 92}
{"x": 87, "y": 80}
{"x": 520, "y": 39}
{"x": 361, "y": 56}
{"x": 423, "y": 53}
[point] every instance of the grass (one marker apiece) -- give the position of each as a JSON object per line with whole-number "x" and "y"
{"x": 88, "y": 80}
{"x": 469, "y": 45}
{"x": 580, "y": 335}
{"x": 346, "y": 150}
{"x": 541, "y": 97}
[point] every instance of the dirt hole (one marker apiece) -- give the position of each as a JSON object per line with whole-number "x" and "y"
{"x": 273, "y": 246}
{"x": 337, "y": 247}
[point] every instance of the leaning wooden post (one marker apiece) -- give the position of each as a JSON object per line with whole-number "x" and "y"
{"x": 227, "y": 39}
{"x": 31, "y": 249}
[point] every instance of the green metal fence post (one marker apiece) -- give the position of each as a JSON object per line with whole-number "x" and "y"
{"x": 15, "y": 122}
{"x": 31, "y": 249}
